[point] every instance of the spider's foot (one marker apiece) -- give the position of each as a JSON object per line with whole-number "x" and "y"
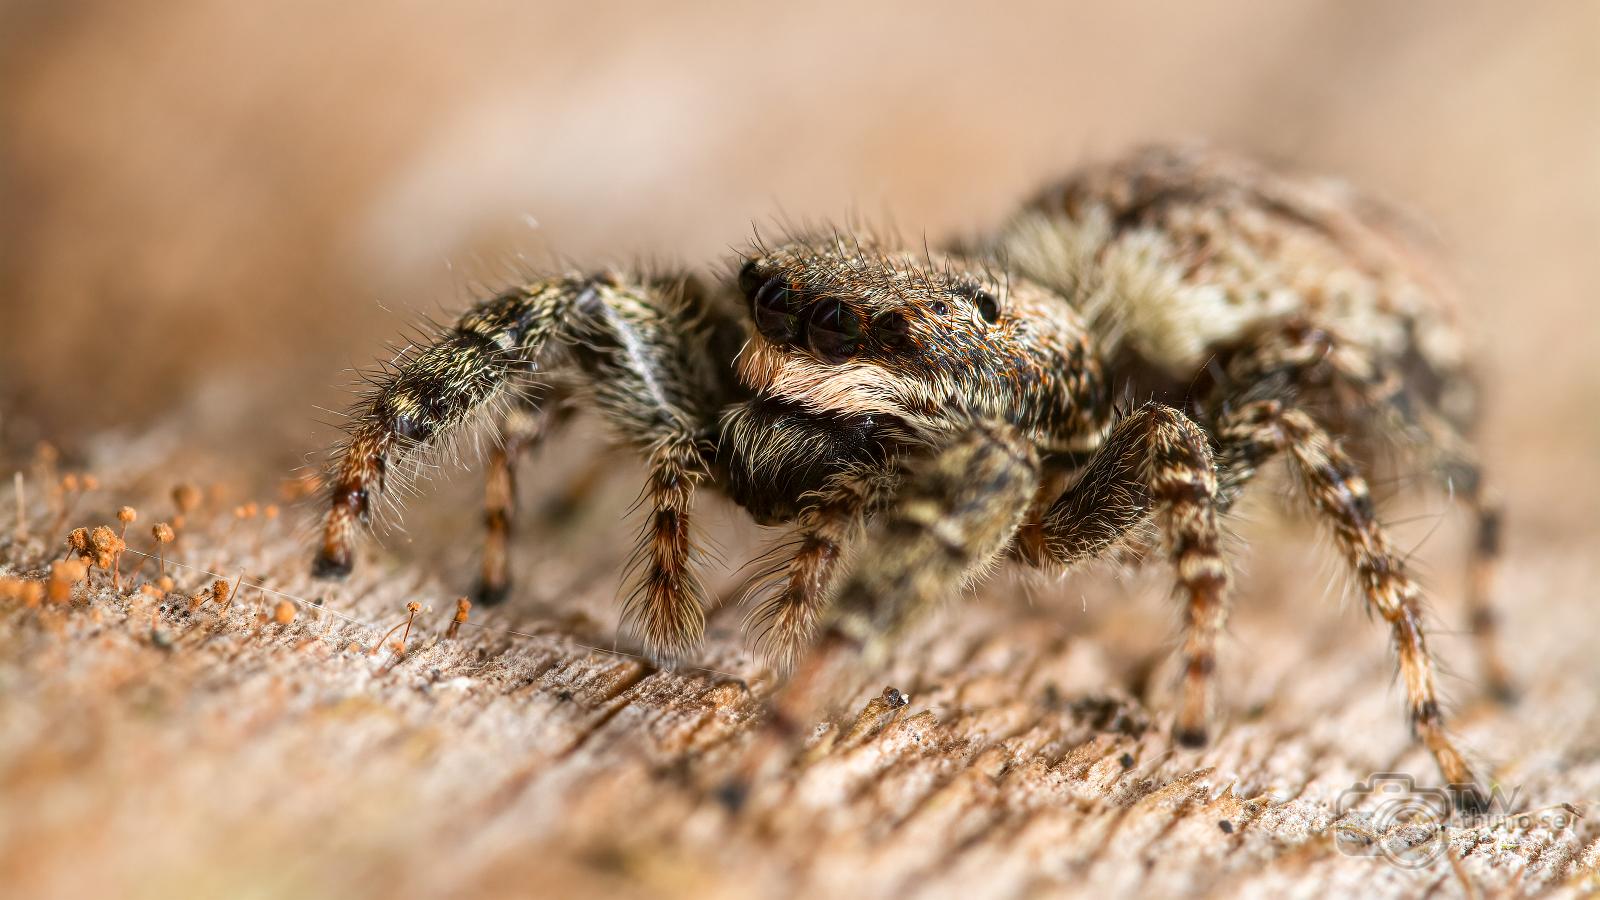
{"x": 1469, "y": 799}
{"x": 329, "y": 564}
{"x": 1191, "y": 736}
{"x": 491, "y": 593}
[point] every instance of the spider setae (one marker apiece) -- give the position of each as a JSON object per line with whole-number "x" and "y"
{"x": 928, "y": 415}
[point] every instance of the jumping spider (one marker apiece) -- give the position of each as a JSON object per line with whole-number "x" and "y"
{"x": 932, "y": 414}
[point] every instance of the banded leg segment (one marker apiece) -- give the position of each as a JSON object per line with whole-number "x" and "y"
{"x": 1483, "y": 565}
{"x": 1339, "y": 493}
{"x": 1462, "y": 475}
{"x": 1157, "y": 458}
{"x": 522, "y": 428}
{"x": 667, "y": 604}
{"x": 1296, "y": 358}
{"x": 1440, "y": 442}
{"x": 644, "y": 355}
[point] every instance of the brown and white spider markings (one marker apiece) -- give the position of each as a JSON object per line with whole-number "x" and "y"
{"x": 931, "y": 415}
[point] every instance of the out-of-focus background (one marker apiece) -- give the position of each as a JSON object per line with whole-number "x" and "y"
{"x": 210, "y": 211}
{"x": 195, "y": 195}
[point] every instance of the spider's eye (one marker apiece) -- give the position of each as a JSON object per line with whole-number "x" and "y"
{"x": 988, "y": 307}
{"x": 892, "y": 330}
{"x": 834, "y": 331}
{"x": 774, "y": 313}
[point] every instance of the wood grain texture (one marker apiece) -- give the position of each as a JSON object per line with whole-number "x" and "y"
{"x": 155, "y": 750}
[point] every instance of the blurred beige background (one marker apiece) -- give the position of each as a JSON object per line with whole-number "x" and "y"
{"x": 198, "y": 197}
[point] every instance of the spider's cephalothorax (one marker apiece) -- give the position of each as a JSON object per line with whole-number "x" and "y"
{"x": 917, "y": 418}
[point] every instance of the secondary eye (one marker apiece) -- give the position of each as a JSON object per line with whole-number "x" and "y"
{"x": 834, "y": 331}
{"x": 892, "y": 330}
{"x": 772, "y": 308}
{"x": 988, "y": 307}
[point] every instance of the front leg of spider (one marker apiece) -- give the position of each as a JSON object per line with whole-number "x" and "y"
{"x": 636, "y": 346}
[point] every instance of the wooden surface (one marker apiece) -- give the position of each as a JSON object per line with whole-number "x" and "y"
{"x": 151, "y": 750}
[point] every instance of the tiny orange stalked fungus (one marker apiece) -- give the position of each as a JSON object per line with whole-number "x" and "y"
{"x": 165, "y": 583}
{"x": 69, "y": 483}
{"x": 102, "y": 539}
{"x": 220, "y": 592}
{"x": 108, "y": 552}
{"x": 127, "y": 515}
{"x": 164, "y": 535}
{"x": 412, "y": 609}
{"x": 186, "y": 497}
{"x": 463, "y": 609}
{"x": 90, "y": 482}
{"x": 32, "y": 593}
{"x": 283, "y": 613}
{"x": 270, "y": 511}
{"x": 78, "y": 541}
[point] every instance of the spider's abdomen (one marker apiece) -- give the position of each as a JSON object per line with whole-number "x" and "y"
{"x": 774, "y": 452}
{"x": 1175, "y": 254}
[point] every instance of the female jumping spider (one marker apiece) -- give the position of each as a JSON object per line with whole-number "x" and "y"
{"x": 931, "y": 414}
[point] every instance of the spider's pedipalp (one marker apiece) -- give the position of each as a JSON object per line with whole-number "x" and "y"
{"x": 951, "y": 518}
{"x": 795, "y": 594}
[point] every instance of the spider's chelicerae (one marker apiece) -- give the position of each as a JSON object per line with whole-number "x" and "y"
{"x": 919, "y": 417}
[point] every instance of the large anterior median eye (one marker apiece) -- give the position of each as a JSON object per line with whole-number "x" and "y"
{"x": 988, "y": 307}
{"x": 834, "y": 331}
{"x": 773, "y": 309}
